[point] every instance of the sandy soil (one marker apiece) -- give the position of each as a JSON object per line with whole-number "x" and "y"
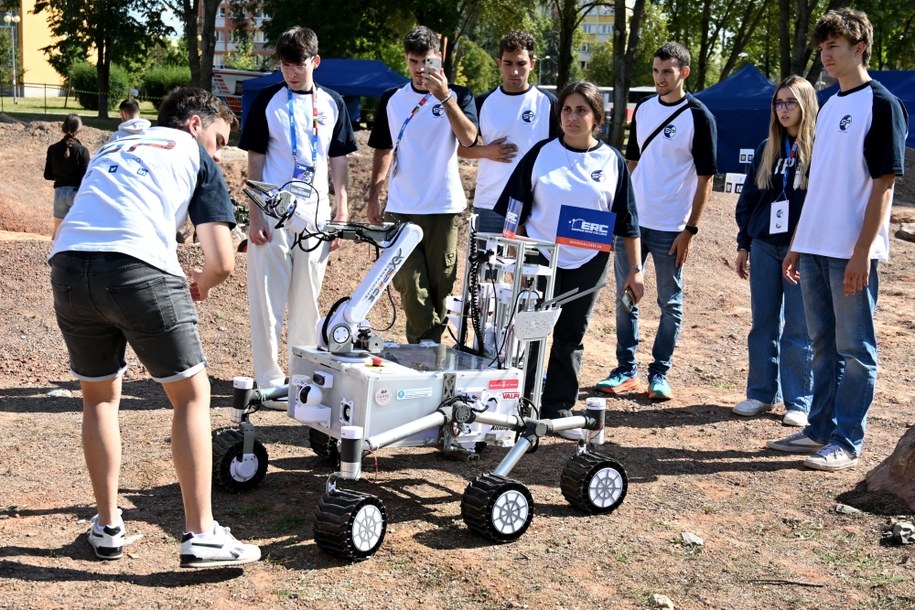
{"x": 772, "y": 535}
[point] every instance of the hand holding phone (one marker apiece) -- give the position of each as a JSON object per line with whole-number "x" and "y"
{"x": 628, "y": 299}
{"x": 433, "y": 63}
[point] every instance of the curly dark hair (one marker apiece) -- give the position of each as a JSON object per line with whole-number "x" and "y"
{"x": 420, "y": 40}
{"x": 846, "y": 23}
{"x": 181, "y": 103}
{"x": 513, "y": 42}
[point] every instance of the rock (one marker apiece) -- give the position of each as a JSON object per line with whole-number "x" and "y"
{"x": 906, "y": 232}
{"x": 845, "y": 509}
{"x": 690, "y": 539}
{"x": 662, "y": 601}
{"x": 60, "y": 393}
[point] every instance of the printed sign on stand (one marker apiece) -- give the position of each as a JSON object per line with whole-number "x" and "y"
{"x": 584, "y": 228}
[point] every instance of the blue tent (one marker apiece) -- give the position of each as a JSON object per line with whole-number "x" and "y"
{"x": 741, "y": 105}
{"x": 900, "y": 83}
{"x": 348, "y": 77}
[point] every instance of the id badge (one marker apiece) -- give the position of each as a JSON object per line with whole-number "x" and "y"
{"x": 778, "y": 217}
{"x": 305, "y": 173}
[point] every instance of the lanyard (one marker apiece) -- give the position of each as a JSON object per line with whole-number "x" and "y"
{"x": 314, "y": 133}
{"x": 416, "y": 108}
{"x": 791, "y": 152}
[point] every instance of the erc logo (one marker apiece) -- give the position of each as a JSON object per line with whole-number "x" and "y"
{"x": 845, "y": 123}
{"x": 528, "y": 116}
{"x": 580, "y": 225}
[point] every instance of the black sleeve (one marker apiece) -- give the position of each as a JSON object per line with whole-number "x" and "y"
{"x": 627, "y": 219}
{"x": 210, "y": 201}
{"x": 48, "y": 164}
{"x": 748, "y": 200}
{"x": 633, "y": 152}
{"x": 381, "y": 136}
{"x": 884, "y": 144}
{"x": 554, "y": 115}
{"x": 468, "y": 106}
{"x": 255, "y": 134}
{"x": 520, "y": 185}
{"x": 343, "y": 141}
{"x": 705, "y": 141}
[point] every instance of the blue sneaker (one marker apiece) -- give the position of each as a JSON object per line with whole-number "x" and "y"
{"x": 621, "y": 379}
{"x": 658, "y": 388}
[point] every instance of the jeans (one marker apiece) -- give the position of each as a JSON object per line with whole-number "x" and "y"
{"x": 670, "y": 300}
{"x": 844, "y": 351}
{"x": 778, "y": 345}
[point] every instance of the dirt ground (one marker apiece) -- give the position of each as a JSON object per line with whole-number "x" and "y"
{"x": 772, "y": 535}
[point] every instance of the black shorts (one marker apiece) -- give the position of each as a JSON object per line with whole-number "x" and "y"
{"x": 105, "y": 300}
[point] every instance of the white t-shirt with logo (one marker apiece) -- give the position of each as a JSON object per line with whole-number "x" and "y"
{"x": 552, "y": 175}
{"x": 524, "y": 119}
{"x": 424, "y": 176}
{"x": 665, "y": 178}
{"x": 860, "y": 135}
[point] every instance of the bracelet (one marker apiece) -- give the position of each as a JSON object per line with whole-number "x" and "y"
{"x": 447, "y": 97}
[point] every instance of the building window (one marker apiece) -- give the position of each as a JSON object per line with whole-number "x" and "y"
{"x": 218, "y": 35}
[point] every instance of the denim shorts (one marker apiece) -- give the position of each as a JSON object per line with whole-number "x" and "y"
{"x": 105, "y": 300}
{"x": 63, "y": 200}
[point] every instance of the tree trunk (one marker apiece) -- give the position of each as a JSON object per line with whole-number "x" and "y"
{"x": 896, "y": 474}
{"x": 623, "y": 57}
{"x": 103, "y": 71}
{"x": 189, "y": 18}
{"x": 784, "y": 37}
{"x": 208, "y": 43}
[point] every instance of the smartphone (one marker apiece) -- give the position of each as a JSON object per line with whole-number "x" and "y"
{"x": 433, "y": 63}
{"x": 628, "y": 299}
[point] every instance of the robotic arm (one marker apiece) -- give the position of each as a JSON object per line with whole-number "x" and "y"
{"x": 345, "y": 328}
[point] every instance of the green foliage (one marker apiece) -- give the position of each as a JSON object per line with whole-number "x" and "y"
{"x": 477, "y": 69}
{"x": 84, "y": 82}
{"x": 600, "y": 69}
{"x": 159, "y": 80}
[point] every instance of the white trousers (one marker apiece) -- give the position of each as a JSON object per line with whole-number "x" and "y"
{"x": 281, "y": 276}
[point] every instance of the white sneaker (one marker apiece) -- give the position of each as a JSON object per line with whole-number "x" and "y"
{"x": 831, "y": 457}
{"x": 751, "y": 407}
{"x": 797, "y": 419}
{"x": 216, "y": 548}
{"x": 107, "y": 541}
{"x": 795, "y": 443}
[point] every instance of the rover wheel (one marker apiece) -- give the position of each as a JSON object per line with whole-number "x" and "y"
{"x": 593, "y": 483}
{"x": 497, "y": 508}
{"x": 350, "y": 524}
{"x": 232, "y": 471}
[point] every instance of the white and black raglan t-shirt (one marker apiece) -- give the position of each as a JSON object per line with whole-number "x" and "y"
{"x": 268, "y": 131}
{"x": 137, "y": 193}
{"x": 552, "y": 175}
{"x": 424, "y": 171}
{"x": 665, "y": 179}
{"x": 524, "y": 119}
{"x": 860, "y": 136}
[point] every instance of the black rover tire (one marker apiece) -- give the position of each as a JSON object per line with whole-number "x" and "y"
{"x": 228, "y": 445}
{"x": 497, "y": 508}
{"x": 594, "y": 483}
{"x": 350, "y": 524}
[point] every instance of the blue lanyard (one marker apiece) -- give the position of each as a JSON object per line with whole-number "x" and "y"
{"x": 791, "y": 152}
{"x": 416, "y": 108}
{"x": 314, "y": 133}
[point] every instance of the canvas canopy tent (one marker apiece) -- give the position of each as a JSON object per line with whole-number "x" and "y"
{"x": 900, "y": 83}
{"x": 741, "y": 105}
{"x": 348, "y": 77}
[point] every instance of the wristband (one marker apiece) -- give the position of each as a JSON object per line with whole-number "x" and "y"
{"x": 447, "y": 97}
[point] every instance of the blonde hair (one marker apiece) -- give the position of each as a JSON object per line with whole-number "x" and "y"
{"x": 807, "y": 101}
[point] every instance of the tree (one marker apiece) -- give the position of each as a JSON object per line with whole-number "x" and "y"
{"x": 200, "y": 57}
{"x": 624, "y": 50}
{"x": 569, "y": 15}
{"x": 125, "y": 28}
{"x": 600, "y": 67}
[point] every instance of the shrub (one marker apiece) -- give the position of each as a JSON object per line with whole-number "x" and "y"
{"x": 84, "y": 81}
{"x": 159, "y": 80}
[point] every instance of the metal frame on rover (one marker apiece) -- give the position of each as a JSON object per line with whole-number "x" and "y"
{"x": 358, "y": 394}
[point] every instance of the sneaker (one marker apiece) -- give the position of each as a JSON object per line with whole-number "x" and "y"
{"x": 795, "y": 443}
{"x": 216, "y": 548}
{"x": 831, "y": 457}
{"x": 752, "y": 407}
{"x": 620, "y": 380}
{"x": 658, "y": 388}
{"x": 797, "y": 419}
{"x": 107, "y": 541}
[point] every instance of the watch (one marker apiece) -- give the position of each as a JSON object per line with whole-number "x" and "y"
{"x": 692, "y": 229}
{"x": 636, "y": 267}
